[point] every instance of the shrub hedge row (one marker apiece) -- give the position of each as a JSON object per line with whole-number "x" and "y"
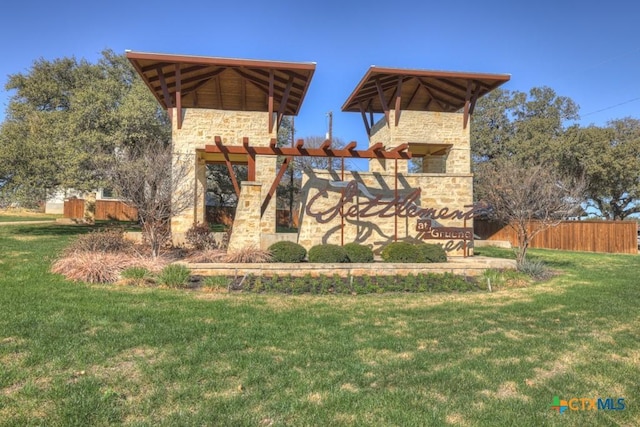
{"x": 402, "y": 252}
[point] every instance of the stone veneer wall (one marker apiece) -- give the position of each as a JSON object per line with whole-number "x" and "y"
{"x": 454, "y": 191}
{"x": 424, "y": 127}
{"x": 199, "y": 127}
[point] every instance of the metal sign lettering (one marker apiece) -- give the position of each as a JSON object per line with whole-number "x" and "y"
{"x": 377, "y": 206}
{"x": 442, "y": 233}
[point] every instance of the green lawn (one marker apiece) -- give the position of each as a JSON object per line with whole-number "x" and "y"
{"x": 32, "y": 217}
{"x": 75, "y": 354}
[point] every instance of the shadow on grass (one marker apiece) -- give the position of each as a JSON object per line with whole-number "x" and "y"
{"x": 67, "y": 230}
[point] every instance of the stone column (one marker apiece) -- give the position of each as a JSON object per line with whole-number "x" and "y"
{"x": 246, "y": 226}
{"x": 200, "y": 191}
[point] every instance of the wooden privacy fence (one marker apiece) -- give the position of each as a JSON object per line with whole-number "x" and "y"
{"x": 590, "y": 236}
{"x": 104, "y": 210}
{"x": 115, "y": 210}
{"x": 73, "y": 208}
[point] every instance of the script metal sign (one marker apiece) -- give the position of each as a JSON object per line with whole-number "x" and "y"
{"x": 442, "y": 233}
{"x": 370, "y": 206}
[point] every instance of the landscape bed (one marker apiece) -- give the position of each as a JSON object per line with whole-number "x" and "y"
{"x": 80, "y": 354}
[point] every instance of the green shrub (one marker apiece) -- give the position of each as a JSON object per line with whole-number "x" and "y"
{"x": 328, "y": 254}
{"x": 175, "y": 276}
{"x": 535, "y": 269}
{"x": 216, "y": 283}
{"x": 136, "y": 274}
{"x": 401, "y": 252}
{"x": 358, "y": 253}
{"x": 287, "y": 252}
{"x": 355, "y": 285}
{"x": 432, "y": 252}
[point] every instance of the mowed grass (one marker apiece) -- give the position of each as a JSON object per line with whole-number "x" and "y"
{"x": 75, "y": 354}
{"x": 22, "y": 215}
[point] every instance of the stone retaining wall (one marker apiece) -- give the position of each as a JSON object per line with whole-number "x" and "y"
{"x": 465, "y": 267}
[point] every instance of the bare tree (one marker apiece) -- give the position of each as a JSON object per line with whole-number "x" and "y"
{"x": 154, "y": 180}
{"x": 527, "y": 198}
{"x": 302, "y": 163}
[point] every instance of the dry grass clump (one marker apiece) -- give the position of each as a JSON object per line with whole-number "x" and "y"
{"x": 248, "y": 254}
{"x": 102, "y": 267}
{"x": 207, "y": 255}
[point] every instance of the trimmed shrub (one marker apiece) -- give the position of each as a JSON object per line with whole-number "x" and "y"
{"x": 358, "y": 253}
{"x": 287, "y": 252}
{"x": 175, "y": 276}
{"x": 104, "y": 240}
{"x": 200, "y": 237}
{"x": 535, "y": 269}
{"x": 248, "y": 254}
{"x": 432, "y": 252}
{"x": 401, "y": 252}
{"x": 328, "y": 254}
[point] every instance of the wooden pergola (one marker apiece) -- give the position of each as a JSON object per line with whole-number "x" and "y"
{"x": 382, "y": 89}
{"x": 246, "y": 154}
{"x": 182, "y": 81}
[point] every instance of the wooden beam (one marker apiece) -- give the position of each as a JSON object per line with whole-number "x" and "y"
{"x": 284, "y": 100}
{"x": 364, "y": 118}
{"x": 326, "y": 145}
{"x": 194, "y": 79}
{"x": 413, "y": 95}
{"x": 299, "y": 144}
{"x": 274, "y": 185}
{"x": 350, "y": 146}
{"x": 376, "y": 151}
{"x": 382, "y": 101}
{"x": 474, "y": 98}
{"x": 251, "y": 163}
{"x": 178, "y": 96}
{"x": 243, "y": 94}
{"x": 225, "y": 154}
{"x": 270, "y": 105}
{"x": 398, "y": 100}
{"x": 400, "y": 147}
{"x": 219, "y": 93}
{"x": 467, "y": 102}
{"x": 165, "y": 90}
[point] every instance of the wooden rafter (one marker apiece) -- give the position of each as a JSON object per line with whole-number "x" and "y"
{"x": 197, "y": 74}
{"x": 165, "y": 90}
{"x": 270, "y": 106}
{"x": 364, "y": 118}
{"x": 178, "y": 96}
{"x": 382, "y": 101}
{"x": 398, "y": 101}
{"x": 284, "y": 100}
{"x": 376, "y": 151}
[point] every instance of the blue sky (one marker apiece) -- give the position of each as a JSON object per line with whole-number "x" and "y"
{"x": 586, "y": 50}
